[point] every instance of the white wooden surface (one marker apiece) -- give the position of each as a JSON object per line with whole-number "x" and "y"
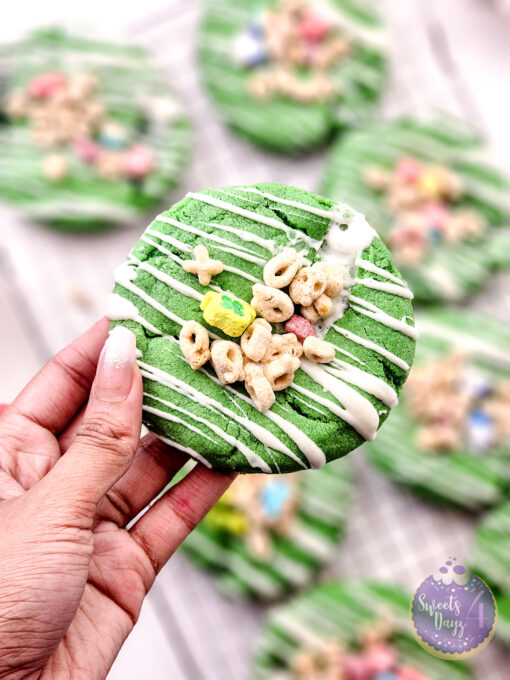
{"x": 448, "y": 54}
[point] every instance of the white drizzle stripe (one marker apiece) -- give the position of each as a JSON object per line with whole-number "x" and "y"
{"x": 125, "y": 282}
{"x": 313, "y": 453}
{"x": 374, "y": 269}
{"x": 254, "y": 217}
{"x": 265, "y": 243}
{"x": 186, "y": 449}
{"x": 375, "y": 386}
{"x": 391, "y": 288}
{"x": 326, "y": 214}
{"x": 169, "y": 239}
{"x": 266, "y": 438}
{"x": 253, "y": 459}
{"x": 358, "y": 411}
{"x": 180, "y": 287}
{"x": 373, "y": 346}
{"x": 377, "y": 314}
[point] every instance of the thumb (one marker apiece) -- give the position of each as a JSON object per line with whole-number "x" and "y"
{"x": 105, "y": 443}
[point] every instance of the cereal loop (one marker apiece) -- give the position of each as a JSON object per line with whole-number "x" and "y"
{"x": 255, "y": 340}
{"x": 279, "y": 272}
{"x": 227, "y": 361}
{"x": 318, "y": 350}
{"x": 323, "y": 305}
{"x": 272, "y": 304}
{"x": 310, "y": 314}
{"x": 280, "y": 372}
{"x": 287, "y": 343}
{"x": 307, "y": 286}
{"x": 334, "y": 276}
{"x": 258, "y": 387}
{"x": 194, "y": 344}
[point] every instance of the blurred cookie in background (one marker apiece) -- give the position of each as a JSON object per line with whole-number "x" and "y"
{"x": 431, "y": 194}
{"x": 449, "y": 437}
{"x": 491, "y": 559}
{"x": 285, "y": 74}
{"x": 270, "y": 534}
{"x": 90, "y": 134}
{"x": 351, "y": 630}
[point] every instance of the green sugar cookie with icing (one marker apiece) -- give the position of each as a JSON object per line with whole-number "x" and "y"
{"x": 285, "y": 74}
{"x": 91, "y": 134}
{"x": 272, "y": 534}
{"x": 449, "y": 437}
{"x": 437, "y": 203}
{"x": 351, "y": 630}
{"x": 309, "y": 338}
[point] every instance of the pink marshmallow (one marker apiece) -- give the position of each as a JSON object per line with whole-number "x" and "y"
{"x": 138, "y": 162}
{"x": 355, "y": 667}
{"x": 312, "y": 28}
{"x": 379, "y": 658}
{"x": 408, "y": 170}
{"x": 45, "y": 85}
{"x": 435, "y": 214}
{"x": 86, "y": 150}
{"x": 300, "y": 326}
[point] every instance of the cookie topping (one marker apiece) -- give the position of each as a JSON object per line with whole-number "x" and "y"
{"x": 203, "y": 266}
{"x": 318, "y": 350}
{"x": 271, "y": 303}
{"x": 422, "y": 199}
{"x": 457, "y": 406}
{"x": 68, "y": 114}
{"x": 300, "y": 326}
{"x": 291, "y": 51}
{"x": 227, "y": 313}
{"x": 194, "y": 344}
{"x": 258, "y": 508}
{"x": 375, "y": 658}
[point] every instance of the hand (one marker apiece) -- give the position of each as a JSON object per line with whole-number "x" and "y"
{"x": 72, "y": 579}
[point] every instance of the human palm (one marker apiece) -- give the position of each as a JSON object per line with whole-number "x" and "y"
{"x": 72, "y": 578}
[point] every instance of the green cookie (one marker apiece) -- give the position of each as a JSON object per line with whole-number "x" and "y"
{"x": 330, "y": 409}
{"x": 335, "y": 621}
{"x": 91, "y": 135}
{"x": 273, "y": 72}
{"x": 456, "y": 398}
{"x": 269, "y": 535}
{"x": 433, "y": 198}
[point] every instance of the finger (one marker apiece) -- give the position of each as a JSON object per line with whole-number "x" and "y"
{"x": 163, "y": 528}
{"x": 3, "y": 407}
{"x": 68, "y": 435}
{"x": 55, "y": 394}
{"x": 154, "y": 466}
{"x": 105, "y": 443}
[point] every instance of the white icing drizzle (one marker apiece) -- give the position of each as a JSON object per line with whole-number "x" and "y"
{"x": 119, "y": 308}
{"x": 383, "y": 273}
{"x": 373, "y": 346}
{"x": 266, "y": 438}
{"x": 169, "y": 239}
{"x": 124, "y": 276}
{"x": 391, "y": 288}
{"x": 186, "y": 449}
{"x": 358, "y": 411}
{"x": 180, "y": 287}
{"x": 265, "y": 243}
{"x": 373, "y": 312}
{"x": 292, "y": 234}
{"x": 375, "y": 386}
{"x": 253, "y": 459}
{"x": 312, "y": 452}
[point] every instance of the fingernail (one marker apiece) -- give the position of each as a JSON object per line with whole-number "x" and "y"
{"x": 115, "y": 369}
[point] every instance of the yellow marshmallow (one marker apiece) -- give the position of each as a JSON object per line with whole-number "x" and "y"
{"x": 432, "y": 182}
{"x": 231, "y": 315}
